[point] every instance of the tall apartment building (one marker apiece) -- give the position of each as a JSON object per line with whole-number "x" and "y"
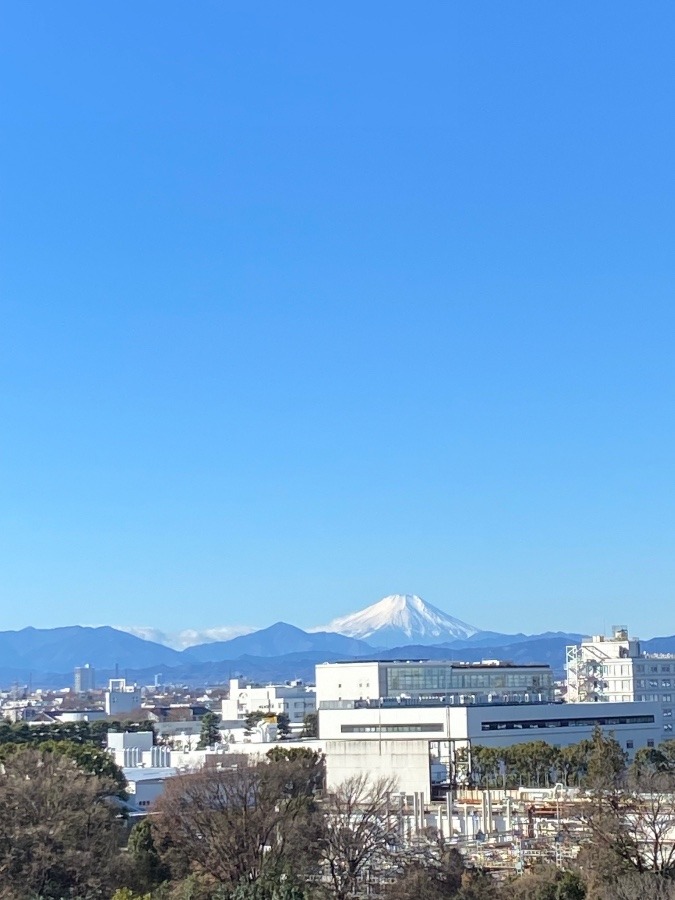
{"x": 84, "y": 679}
{"x": 614, "y": 669}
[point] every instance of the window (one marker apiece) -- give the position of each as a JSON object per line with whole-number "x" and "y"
{"x": 390, "y": 729}
{"x": 567, "y": 723}
{"x": 639, "y": 668}
{"x": 653, "y": 682}
{"x": 668, "y": 726}
{"x": 640, "y": 683}
{"x": 666, "y": 698}
{"x": 629, "y": 745}
{"x": 653, "y": 668}
{"x": 667, "y": 713}
{"x": 665, "y": 668}
{"x": 650, "y": 743}
{"x": 665, "y": 682}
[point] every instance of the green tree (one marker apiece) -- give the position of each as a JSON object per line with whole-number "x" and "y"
{"x": 59, "y": 832}
{"x": 270, "y": 888}
{"x": 606, "y": 763}
{"x": 310, "y": 725}
{"x": 570, "y": 764}
{"x": 210, "y": 734}
{"x": 148, "y": 868}
{"x": 547, "y": 883}
{"x": 252, "y": 720}
{"x": 283, "y": 725}
{"x": 87, "y": 757}
{"x": 486, "y": 765}
{"x": 304, "y": 770}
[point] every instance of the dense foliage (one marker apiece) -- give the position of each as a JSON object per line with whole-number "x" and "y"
{"x": 538, "y": 764}
{"x": 266, "y": 830}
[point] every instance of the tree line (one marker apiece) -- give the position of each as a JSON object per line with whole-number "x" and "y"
{"x": 267, "y": 830}
{"x": 537, "y": 764}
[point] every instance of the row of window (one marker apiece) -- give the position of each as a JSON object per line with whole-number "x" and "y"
{"x": 568, "y": 723}
{"x": 441, "y": 678}
{"x": 639, "y": 668}
{"x": 389, "y": 729}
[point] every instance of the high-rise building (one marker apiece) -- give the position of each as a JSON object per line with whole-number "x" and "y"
{"x": 614, "y": 669}
{"x": 85, "y": 679}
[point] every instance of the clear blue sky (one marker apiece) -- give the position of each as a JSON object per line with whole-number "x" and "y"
{"x": 306, "y": 303}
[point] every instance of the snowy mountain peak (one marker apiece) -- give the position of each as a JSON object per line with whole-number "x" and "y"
{"x": 401, "y": 619}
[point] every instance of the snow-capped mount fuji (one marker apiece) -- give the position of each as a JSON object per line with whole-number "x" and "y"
{"x": 400, "y": 619}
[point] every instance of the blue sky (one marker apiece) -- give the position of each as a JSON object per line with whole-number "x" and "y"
{"x": 304, "y": 304}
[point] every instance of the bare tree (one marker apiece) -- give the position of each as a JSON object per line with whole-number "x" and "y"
{"x": 636, "y": 823}
{"x": 59, "y": 828}
{"x": 358, "y": 828}
{"x": 235, "y": 824}
{"x": 634, "y": 886}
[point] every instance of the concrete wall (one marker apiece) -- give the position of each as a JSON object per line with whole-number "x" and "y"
{"x": 355, "y": 681}
{"x": 408, "y": 761}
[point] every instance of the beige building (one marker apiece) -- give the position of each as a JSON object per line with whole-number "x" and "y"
{"x": 614, "y": 670}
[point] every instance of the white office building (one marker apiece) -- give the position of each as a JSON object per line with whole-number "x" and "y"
{"x": 420, "y": 720}
{"x": 614, "y": 669}
{"x": 426, "y": 744}
{"x": 453, "y": 682}
{"x": 121, "y": 697}
{"x": 295, "y": 700}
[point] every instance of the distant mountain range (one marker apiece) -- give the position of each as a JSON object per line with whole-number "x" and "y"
{"x": 398, "y": 627}
{"x": 278, "y": 640}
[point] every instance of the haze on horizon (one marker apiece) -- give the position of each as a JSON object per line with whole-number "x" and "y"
{"x": 302, "y": 308}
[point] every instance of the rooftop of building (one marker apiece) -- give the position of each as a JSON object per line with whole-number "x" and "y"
{"x": 455, "y": 663}
{"x": 426, "y": 702}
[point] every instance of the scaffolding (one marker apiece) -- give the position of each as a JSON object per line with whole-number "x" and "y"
{"x": 583, "y": 665}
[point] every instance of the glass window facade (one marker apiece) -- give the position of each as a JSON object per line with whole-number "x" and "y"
{"x": 426, "y": 679}
{"x": 567, "y": 723}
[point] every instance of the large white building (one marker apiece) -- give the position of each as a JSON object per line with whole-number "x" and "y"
{"x": 614, "y": 669}
{"x": 420, "y": 720}
{"x": 425, "y": 745}
{"x": 295, "y": 700}
{"x": 454, "y": 682}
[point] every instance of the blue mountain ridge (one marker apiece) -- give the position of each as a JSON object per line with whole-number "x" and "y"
{"x": 279, "y": 652}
